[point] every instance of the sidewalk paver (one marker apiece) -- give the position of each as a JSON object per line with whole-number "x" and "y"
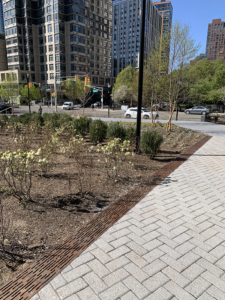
{"x": 171, "y": 245}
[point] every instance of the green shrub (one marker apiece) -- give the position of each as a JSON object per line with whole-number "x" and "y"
{"x": 116, "y": 130}
{"x": 131, "y": 134}
{"x": 24, "y": 119}
{"x": 37, "y": 119}
{"x": 56, "y": 120}
{"x": 151, "y": 142}
{"x": 81, "y": 125}
{"x": 97, "y": 130}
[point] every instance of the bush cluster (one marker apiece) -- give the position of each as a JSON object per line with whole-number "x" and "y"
{"x": 81, "y": 125}
{"x": 116, "y": 130}
{"x": 150, "y": 142}
{"x": 97, "y": 130}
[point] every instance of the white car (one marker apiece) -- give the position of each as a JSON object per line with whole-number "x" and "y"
{"x": 68, "y": 105}
{"x": 145, "y": 113}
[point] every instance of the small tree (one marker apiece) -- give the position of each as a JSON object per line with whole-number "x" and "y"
{"x": 125, "y": 77}
{"x": 34, "y": 92}
{"x": 122, "y": 93}
{"x": 77, "y": 90}
{"x": 9, "y": 88}
{"x": 70, "y": 89}
{"x": 182, "y": 50}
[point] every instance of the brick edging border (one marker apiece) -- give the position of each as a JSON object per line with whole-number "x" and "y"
{"x": 27, "y": 283}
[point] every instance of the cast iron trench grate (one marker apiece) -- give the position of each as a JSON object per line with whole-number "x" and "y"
{"x": 27, "y": 283}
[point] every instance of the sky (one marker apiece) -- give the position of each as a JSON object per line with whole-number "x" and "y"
{"x": 197, "y": 14}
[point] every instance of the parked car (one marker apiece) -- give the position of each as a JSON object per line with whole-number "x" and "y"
{"x": 145, "y": 113}
{"x": 97, "y": 104}
{"x": 198, "y": 110}
{"x": 68, "y": 105}
{"x": 15, "y": 105}
{"x": 5, "y": 108}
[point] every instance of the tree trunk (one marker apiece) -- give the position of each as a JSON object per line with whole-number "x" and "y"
{"x": 152, "y": 121}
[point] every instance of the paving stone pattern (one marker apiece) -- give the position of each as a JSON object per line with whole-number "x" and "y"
{"x": 171, "y": 245}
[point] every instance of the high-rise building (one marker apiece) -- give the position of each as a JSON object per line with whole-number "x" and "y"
{"x": 165, "y": 8}
{"x": 126, "y": 32}
{"x": 3, "y": 57}
{"x": 1, "y": 17}
{"x": 55, "y": 39}
{"x": 215, "y": 39}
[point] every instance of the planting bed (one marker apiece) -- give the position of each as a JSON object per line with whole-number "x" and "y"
{"x": 58, "y": 209}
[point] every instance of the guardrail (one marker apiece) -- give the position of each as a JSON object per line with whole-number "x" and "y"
{"x": 6, "y": 109}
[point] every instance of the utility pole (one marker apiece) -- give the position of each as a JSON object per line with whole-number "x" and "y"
{"x": 140, "y": 80}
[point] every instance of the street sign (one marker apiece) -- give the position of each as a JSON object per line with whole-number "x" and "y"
{"x": 43, "y": 89}
{"x": 95, "y": 91}
{"x": 72, "y": 81}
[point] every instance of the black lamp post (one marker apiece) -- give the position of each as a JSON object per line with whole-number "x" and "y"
{"x": 109, "y": 86}
{"x": 28, "y": 76}
{"x": 140, "y": 80}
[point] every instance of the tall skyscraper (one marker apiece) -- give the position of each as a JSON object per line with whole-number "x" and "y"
{"x": 1, "y": 17}
{"x": 165, "y": 8}
{"x": 56, "y": 39}
{"x": 126, "y": 32}
{"x": 215, "y": 39}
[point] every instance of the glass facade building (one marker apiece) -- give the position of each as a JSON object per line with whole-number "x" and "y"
{"x": 165, "y": 8}
{"x": 126, "y": 32}
{"x": 215, "y": 39}
{"x": 1, "y": 17}
{"x": 55, "y": 39}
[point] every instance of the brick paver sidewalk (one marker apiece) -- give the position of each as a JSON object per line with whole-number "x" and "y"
{"x": 169, "y": 246}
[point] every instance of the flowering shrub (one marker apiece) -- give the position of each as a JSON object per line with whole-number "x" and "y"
{"x": 17, "y": 169}
{"x": 46, "y": 152}
{"x": 77, "y": 150}
{"x": 114, "y": 155}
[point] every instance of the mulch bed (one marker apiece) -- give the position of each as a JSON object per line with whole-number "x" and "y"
{"x": 59, "y": 210}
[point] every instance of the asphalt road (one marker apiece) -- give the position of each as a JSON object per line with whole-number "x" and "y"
{"x": 193, "y": 123}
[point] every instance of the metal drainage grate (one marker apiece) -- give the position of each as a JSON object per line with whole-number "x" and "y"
{"x": 27, "y": 283}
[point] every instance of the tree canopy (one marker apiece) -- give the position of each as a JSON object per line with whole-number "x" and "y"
{"x": 34, "y": 92}
{"x": 207, "y": 80}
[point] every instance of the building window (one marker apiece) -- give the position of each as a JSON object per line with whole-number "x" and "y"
{"x": 51, "y": 67}
{"x": 50, "y": 48}
{"x": 50, "y": 28}
{"x": 51, "y": 57}
{"x": 51, "y": 75}
{"x": 50, "y": 38}
{"x": 49, "y": 9}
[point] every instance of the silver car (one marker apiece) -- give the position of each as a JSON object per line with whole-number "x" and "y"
{"x": 198, "y": 110}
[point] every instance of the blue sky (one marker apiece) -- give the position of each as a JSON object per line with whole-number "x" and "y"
{"x": 197, "y": 14}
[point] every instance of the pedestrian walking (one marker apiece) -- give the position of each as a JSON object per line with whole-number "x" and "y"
{"x": 40, "y": 110}
{"x": 92, "y": 106}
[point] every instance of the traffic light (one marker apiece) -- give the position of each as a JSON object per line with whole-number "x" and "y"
{"x": 30, "y": 85}
{"x": 39, "y": 85}
{"x": 75, "y": 77}
{"x": 88, "y": 80}
{"x": 85, "y": 83}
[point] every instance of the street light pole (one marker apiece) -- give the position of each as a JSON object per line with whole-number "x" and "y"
{"x": 140, "y": 80}
{"x": 55, "y": 88}
{"x": 109, "y": 86}
{"x": 28, "y": 76}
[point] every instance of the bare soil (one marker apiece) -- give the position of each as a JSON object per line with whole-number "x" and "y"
{"x": 59, "y": 209}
